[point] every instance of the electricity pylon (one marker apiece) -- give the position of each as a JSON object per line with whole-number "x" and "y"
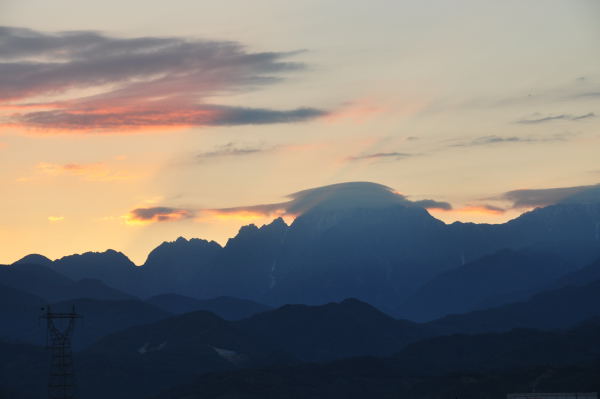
{"x": 61, "y": 384}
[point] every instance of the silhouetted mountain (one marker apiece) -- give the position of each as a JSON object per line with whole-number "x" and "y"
{"x": 581, "y": 277}
{"x": 225, "y": 307}
{"x": 34, "y": 259}
{"x": 101, "y": 318}
{"x": 12, "y": 298}
{"x": 143, "y": 359}
{"x": 19, "y": 312}
{"x": 377, "y": 255}
{"x": 112, "y": 267}
{"x": 474, "y": 366}
{"x": 52, "y": 286}
{"x": 244, "y": 268}
{"x": 560, "y": 226}
{"x": 23, "y": 371}
{"x": 383, "y": 248}
{"x": 332, "y": 331}
{"x": 22, "y": 313}
{"x": 95, "y": 289}
{"x": 515, "y": 349}
{"x": 179, "y": 266}
{"x": 376, "y": 378}
{"x": 560, "y": 308}
{"x": 362, "y": 240}
{"x": 35, "y": 279}
{"x": 503, "y": 277}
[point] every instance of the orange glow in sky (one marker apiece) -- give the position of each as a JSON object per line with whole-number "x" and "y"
{"x": 214, "y": 114}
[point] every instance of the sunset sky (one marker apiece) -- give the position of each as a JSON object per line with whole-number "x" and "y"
{"x": 127, "y": 123}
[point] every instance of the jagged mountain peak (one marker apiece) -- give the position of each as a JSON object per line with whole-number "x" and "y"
{"x": 250, "y": 232}
{"x": 184, "y": 242}
{"x": 276, "y": 223}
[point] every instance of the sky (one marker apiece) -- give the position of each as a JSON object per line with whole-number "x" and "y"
{"x": 127, "y": 123}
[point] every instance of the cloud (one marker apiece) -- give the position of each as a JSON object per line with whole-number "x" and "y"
{"x": 584, "y": 116}
{"x": 231, "y": 150}
{"x": 380, "y": 155}
{"x": 527, "y": 198}
{"x": 335, "y": 196}
{"x": 432, "y": 204}
{"x": 106, "y": 83}
{"x": 494, "y": 139}
{"x": 157, "y": 214}
{"x": 483, "y": 209}
{"x": 87, "y": 171}
{"x": 557, "y": 117}
{"x": 157, "y": 116}
{"x": 486, "y": 140}
{"x": 55, "y": 219}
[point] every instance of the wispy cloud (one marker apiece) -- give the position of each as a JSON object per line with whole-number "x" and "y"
{"x": 550, "y": 118}
{"x": 486, "y": 140}
{"x": 380, "y": 155}
{"x": 133, "y": 83}
{"x": 494, "y": 139}
{"x": 232, "y": 150}
{"x": 55, "y": 219}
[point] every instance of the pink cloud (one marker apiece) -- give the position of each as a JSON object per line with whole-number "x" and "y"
{"x": 138, "y": 84}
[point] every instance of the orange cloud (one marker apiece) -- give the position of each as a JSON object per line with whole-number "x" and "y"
{"x": 143, "y": 216}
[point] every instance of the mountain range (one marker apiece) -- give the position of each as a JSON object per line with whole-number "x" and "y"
{"x": 364, "y": 293}
{"x": 376, "y": 247}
